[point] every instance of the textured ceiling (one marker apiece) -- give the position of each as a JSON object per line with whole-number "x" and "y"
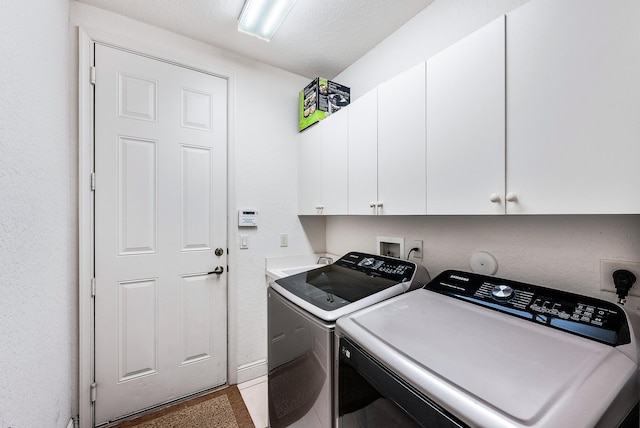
{"x": 318, "y": 38}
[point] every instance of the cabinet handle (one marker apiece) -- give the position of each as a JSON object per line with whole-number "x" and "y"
{"x": 379, "y": 204}
{"x": 495, "y": 198}
{"x": 372, "y": 205}
{"x": 512, "y": 197}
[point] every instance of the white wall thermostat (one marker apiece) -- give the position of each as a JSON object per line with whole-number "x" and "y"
{"x": 247, "y": 218}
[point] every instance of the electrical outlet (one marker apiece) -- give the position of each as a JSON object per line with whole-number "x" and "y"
{"x": 607, "y": 267}
{"x": 284, "y": 240}
{"x": 417, "y": 254}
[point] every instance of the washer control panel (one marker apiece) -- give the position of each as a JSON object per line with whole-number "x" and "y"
{"x": 585, "y": 316}
{"x": 387, "y": 267}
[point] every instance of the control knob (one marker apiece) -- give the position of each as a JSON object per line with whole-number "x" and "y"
{"x": 367, "y": 262}
{"x": 502, "y": 292}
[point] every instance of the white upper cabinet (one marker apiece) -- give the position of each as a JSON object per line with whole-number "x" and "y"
{"x": 322, "y": 167}
{"x": 334, "y": 138}
{"x": 466, "y": 125}
{"x": 363, "y": 155}
{"x": 401, "y": 144}
{"x": 309, "y": 172}
{"x": 573, "y": 107}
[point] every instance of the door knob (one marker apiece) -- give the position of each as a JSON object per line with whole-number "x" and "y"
{"x": 218, "y": 270}
{"x": 219, "y": 252}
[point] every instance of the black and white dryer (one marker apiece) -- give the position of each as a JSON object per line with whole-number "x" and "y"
{"x": 479, "y": 351}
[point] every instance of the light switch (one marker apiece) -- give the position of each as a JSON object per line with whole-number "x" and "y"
{"x": 244, "y": 241}
{"x": 284, "y": 240}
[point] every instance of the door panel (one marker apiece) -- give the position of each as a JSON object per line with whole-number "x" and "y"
{"x": 138, "y": 327}
{"x": 137, "y": 208}
{"x": 402, "y": 180}
{"x": 160, "y": 319}
{"x": 363, "y": 154}
{"x": 196, "y": 198}
{"x": 572, "y": 107}
{"x": 465, "y": 125}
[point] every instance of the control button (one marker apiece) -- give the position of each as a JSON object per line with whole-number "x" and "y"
{"x": 502, "y": 292}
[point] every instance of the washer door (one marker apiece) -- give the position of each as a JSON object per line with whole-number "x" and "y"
{"x": 300, "y": 367}
{"x": 370, "y": 395}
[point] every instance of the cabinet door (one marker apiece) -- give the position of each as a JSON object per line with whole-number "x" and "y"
{"x": 466, "y": 125}
{"x": 573, "y": 109}
{"x": 309, "y": 171}
{"x": 401, "y": 143}
{"x": 333, "y": 132}
{"x": 363, "y": 154}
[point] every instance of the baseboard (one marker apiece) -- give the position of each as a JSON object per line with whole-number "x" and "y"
{"x": 252, "y": 370}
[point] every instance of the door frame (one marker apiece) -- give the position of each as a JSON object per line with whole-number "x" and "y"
{"x": 87, "y": 38}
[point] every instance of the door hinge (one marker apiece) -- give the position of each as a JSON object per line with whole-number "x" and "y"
{"x": 93, "y": 287}
{"x": 92, "y": 75}
{"x": 93, "y": 181}
{"x": 93, "y": 392}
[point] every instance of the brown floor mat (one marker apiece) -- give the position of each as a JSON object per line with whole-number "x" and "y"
{"x": 220, "y": 409}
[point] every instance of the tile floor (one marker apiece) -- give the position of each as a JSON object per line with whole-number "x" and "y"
{"x": 254, "y": 394}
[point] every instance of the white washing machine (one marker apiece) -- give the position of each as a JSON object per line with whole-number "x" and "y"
{"x": 478, "y": 351}
{"x": 302, "y": 310}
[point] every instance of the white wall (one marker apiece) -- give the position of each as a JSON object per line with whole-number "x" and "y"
{"x": 438, "y": 26}
{"x": 262, "y": 166}
{"x": 557, "y": 251}
{"x": 38, "y": 368}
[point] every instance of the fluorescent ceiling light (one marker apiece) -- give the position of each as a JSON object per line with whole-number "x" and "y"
{"x": 261, "y": 18}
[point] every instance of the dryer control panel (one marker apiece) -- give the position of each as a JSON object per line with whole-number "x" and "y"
{"x": 584, "y": 316}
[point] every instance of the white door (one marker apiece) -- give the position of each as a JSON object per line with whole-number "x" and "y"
{"x": 310, "y": 171}
{"x": 572, "y": 107}
{"x": 402, "y": 180}
{"x": 160, "y": 214}
{"x": 334, "y": 143}
{"x": 465, "y": 125}
{"x": 362, "y": 157}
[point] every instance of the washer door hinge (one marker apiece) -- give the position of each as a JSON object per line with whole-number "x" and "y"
{"x": 92, "y": 75}
{"x": 93, "y": 392}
